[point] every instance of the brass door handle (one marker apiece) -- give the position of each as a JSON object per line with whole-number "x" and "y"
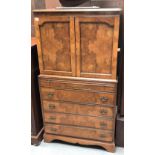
{"x": 104, "y": 99}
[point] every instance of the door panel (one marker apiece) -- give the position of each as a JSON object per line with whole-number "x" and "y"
{"x": 96, "y": 46}
{"x": 56, "y": 45}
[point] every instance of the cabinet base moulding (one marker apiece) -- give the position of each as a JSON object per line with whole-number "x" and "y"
{"x": 35, "y": 140}
{"x": 110, "y": 147}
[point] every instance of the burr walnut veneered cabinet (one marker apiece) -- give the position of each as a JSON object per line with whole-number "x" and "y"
{"x": 78, "y": 60}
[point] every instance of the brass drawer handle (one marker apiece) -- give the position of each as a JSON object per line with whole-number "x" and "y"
{"x": 52, "y": 118}
{"x": 50, "y": 94}
{"x": 102, "y": 136}
{"x": 103, "y": 111}
{"x": 104, "y": 99}
{"x": 51, "y": 106}
{"x": 53, "y": 129}
{"x": 103, "y": 125}
{"x": 49, "y": 80}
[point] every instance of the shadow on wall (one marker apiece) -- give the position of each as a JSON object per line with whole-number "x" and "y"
{"x": 66, "y": 3}
{"x": 72, "y": 2}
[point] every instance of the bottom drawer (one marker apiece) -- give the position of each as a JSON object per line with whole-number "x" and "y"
{"x": 79, "y": 132}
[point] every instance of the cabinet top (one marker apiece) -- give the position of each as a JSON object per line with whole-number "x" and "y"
{"x": 78, "y": 9}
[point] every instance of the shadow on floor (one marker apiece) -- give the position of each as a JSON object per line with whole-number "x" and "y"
{"x": 85, "y": 146}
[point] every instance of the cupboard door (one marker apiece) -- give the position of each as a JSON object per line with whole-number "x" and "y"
{"x": 96, "y": 46}
{"x": 56, "y": 45}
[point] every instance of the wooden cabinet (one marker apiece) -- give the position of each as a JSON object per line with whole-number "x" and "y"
{"x": 78, "y": 46}
{"x": 78, "y": 83}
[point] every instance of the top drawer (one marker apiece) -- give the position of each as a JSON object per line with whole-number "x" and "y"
{"x": 77, "y": 96}
{"x": 77, "y": 84}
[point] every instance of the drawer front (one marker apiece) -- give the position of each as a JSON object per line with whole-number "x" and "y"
{"x": 78, "y": 120}
{"x": 89, "y": 86}
{"x": 74, "y": 108}
{"x": 77, "y": 96}
{"x": 79, "y": 132}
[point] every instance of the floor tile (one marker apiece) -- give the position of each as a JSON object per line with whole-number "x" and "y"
{"x": 60, "y": 148}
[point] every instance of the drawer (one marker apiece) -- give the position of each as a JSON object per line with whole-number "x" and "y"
{"x": 78, "y": 120}
{"x": 79, "y": 132}
{"x": 77, "y": 96}
{"x": 74, "y": 108}
{"x": 73, "y": 84}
